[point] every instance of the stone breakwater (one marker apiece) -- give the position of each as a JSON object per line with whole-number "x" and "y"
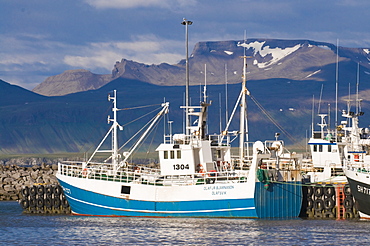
{"x": 14, "y": 177}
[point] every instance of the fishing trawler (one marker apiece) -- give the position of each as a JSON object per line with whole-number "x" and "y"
{"x": 343, "y": 155}
{"x": 327, "y": 155}
{"x": 198, "y": 174}
{"x": 357, "y": 165}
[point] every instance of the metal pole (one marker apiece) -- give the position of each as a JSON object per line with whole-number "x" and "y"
{"x": 336, "y": 92}
{"x": 187, "y": 23}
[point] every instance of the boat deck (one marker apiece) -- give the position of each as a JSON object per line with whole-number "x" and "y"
{"x": 148, "y": 176}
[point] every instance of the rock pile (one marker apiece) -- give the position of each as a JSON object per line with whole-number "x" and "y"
{"x": 14, "y": 177}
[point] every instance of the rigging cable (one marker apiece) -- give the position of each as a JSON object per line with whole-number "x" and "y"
{"x": 138, "y": 107}
{"x": 140, "y": 117}
{"x": 155, "y": 127}
{"x": 274, "y": 121}
{"x": 140, "y": 129}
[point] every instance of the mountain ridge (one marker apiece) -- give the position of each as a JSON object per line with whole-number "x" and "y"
{"x": 270, "y": 58}
{"x": 76, "y": 122}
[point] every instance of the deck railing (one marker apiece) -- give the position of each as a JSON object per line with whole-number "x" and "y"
{"x": 145, "y": 175}
{"x": 359, "y": 167}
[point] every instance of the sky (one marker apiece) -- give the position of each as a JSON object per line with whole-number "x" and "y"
{"x": 42, "y": 38}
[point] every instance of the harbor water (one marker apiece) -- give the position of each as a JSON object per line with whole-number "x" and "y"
{"x": 26, "y": 229}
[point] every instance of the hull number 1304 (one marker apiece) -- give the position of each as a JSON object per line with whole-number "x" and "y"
{"x": 180, "y": 166}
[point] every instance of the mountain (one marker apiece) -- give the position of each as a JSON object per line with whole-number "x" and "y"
{"x": 77, "y": 122}
{"x": 283, "y": 77}
{"x": 10, "y": 94}
{"x": 72, "y": 81}
{"x": 302, "y": 60}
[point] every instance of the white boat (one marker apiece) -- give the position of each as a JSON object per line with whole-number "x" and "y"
{"x": 357, "y": 164}
{"x": 198, "y": 175}
{"x": 346, "y": 147}
{"x": 344, "y": 150}
{"x": 327, "y": 155}
{"x": 328, "y": 149}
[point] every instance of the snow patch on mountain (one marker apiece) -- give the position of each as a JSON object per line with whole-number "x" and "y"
{"x": 276, "y": 53}
{"x": 228, "y": 52}
{"x": 313, "y": 73}
{"x": 325, "y": 47}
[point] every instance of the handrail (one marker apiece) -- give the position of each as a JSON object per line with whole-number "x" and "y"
{"x": 145, "y": 175}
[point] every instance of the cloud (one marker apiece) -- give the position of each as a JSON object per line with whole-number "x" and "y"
{"x": 26, "y": 49}
{"x": 45, "y": 39}
{"x": 30, "y": 59}
{"x": 144, "y": 49}
{"x": 127, "y": 4}
{"x": 27, "y": 59}
{"x": 98, "y": 59}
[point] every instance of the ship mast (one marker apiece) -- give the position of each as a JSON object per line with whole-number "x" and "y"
{"x": 243, "y": 108}
{"x": 113, "y": 130}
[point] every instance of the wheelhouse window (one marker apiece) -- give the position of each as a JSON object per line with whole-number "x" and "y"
{"x": 320, "y": 148}
{"x": 172, "y": 154}
{"x": 178, "y": 154}
{"x": 314, "y": 148}
{"x": 329, "y": 148}
{"x": 218, "y": 153}
{"x": 165, "y": 154}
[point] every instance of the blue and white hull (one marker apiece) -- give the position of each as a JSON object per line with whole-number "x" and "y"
{"x": 229, "y": 200}
{"x": 85, "y": 202}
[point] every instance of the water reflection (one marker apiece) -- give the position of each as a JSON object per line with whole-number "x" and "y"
{"x": 161, "y": 230}
{"x": 213, "y": 231}
{"x": 21, "y": 229}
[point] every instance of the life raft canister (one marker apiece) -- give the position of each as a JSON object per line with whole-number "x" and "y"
{"x": 201, "y": 169}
